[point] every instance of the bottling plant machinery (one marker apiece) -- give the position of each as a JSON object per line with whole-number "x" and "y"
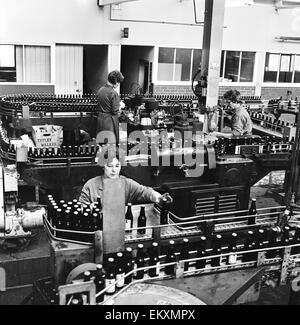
{"x": 215, "y": 202}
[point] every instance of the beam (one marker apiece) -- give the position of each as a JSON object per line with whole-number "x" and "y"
{"x": 212, "y": 48}
{"x": 102, "y": 3}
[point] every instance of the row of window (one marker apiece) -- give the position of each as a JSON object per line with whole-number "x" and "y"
{"x": 236, "y": 66}
{"x": 31, "y": 64}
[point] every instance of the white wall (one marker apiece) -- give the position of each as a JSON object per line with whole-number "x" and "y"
{"x": 82, "y": 21}
{"x": 255, "y": 28}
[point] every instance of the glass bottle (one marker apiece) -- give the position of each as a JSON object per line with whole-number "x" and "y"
{"x": 142, "y": 221}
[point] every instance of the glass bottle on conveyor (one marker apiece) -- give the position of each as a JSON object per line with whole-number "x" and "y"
{"x": 200, "y": 264}
{"x": 99, "y": 282}
{"x": 170, "y": 258}
{"x": 110, "y": 277}
{"x": 232, "y": 258}
{"x": 164, "y": 213}
{"x": 120, "y": 270}
{"x": 217, "y": 250}
{"x": 129, "y": 264}
{"x": 128, "y": 218}
{"x": 154, "y": 260}
{"x": 184, "y": 254}
{"x": 252, "y": 213}
{"x": 139, "y": 262}
{"x": 142, "y": 221}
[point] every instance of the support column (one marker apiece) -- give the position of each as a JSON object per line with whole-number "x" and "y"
{"x": 114, "y": 57}
{"x": 212, "y": 47}
{"x": 259, "y": 72}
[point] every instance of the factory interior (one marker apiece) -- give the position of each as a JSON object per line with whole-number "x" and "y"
{"x": 149, "y": 152}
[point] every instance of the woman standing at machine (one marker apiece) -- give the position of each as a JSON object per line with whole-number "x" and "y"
{"x": 111, "y": 167}
{"x": 109, "y": 105}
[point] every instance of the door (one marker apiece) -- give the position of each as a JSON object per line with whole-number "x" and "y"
{"x": 143, "y": 77}
{"x": 69, "y": 69}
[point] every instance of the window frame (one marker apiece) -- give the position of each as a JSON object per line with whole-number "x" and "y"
{"x": 278, "y": 83}
{"x": 239, "y": 82}
{"x": 174, "y": 82}
{"x": 52, "y": 65}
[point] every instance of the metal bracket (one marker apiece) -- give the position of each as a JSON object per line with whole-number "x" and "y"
{"x": 179, "y": 269}
{"x": 70, "y": 289}
{"x": 261, "y": 258}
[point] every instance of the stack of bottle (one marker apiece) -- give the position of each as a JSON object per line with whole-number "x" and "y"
{"x": 73, "y": 220}
{"x": 58, "y": 154}
{"x": 51, "y": 102}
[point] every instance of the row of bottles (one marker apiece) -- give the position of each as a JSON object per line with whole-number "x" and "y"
{"x": 75, "y": 216}
{"x": 279, "y": 103}
{"x": 269, "y": 144}
{"x": 142, "y": 218}
{"x": 223, "y": 251}
{"x": 44, "y": 97}
{"x": 269, "y": 122}
{"x": 65, "y": 107}
{"x": 59, "y": 152}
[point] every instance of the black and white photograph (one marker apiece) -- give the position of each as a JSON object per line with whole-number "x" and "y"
{"x": 149, "y": 155}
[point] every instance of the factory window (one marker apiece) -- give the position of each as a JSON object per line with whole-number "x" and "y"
{"x": 271, "y": 67}
{"x": 282, "y": 68}
{"x": 237, "y": 66}
{"x": 25, "y": 64}
{"x": 177, "y": 64}
{"x": 7, "y": 63}
{"x": 297, "y": 69}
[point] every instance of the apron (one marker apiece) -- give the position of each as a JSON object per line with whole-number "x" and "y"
{"x": 108, "y": 122}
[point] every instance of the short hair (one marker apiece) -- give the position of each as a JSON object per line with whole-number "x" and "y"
{"x": 233, "y": 95}
{"x": 115, "y": 77}
{"x": 108, "y": 152}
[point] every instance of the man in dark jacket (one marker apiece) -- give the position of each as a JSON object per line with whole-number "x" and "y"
{"x": 109, "y": 105}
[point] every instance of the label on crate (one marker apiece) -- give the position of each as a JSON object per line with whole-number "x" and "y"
{"x": 109, "y": 282}
{"x": 121, "y": 283}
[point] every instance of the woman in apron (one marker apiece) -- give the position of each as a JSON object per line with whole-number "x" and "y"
{"x": 109, "y": 105}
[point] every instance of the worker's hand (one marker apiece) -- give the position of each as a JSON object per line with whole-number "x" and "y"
{"x": 165, "y": 196}
{"x": 122, "y": 105}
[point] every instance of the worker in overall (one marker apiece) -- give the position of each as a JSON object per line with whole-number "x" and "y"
{"x": 241, "y": 123}
{"x": 111, "y": 167}
{"x": 109, "y": 106}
